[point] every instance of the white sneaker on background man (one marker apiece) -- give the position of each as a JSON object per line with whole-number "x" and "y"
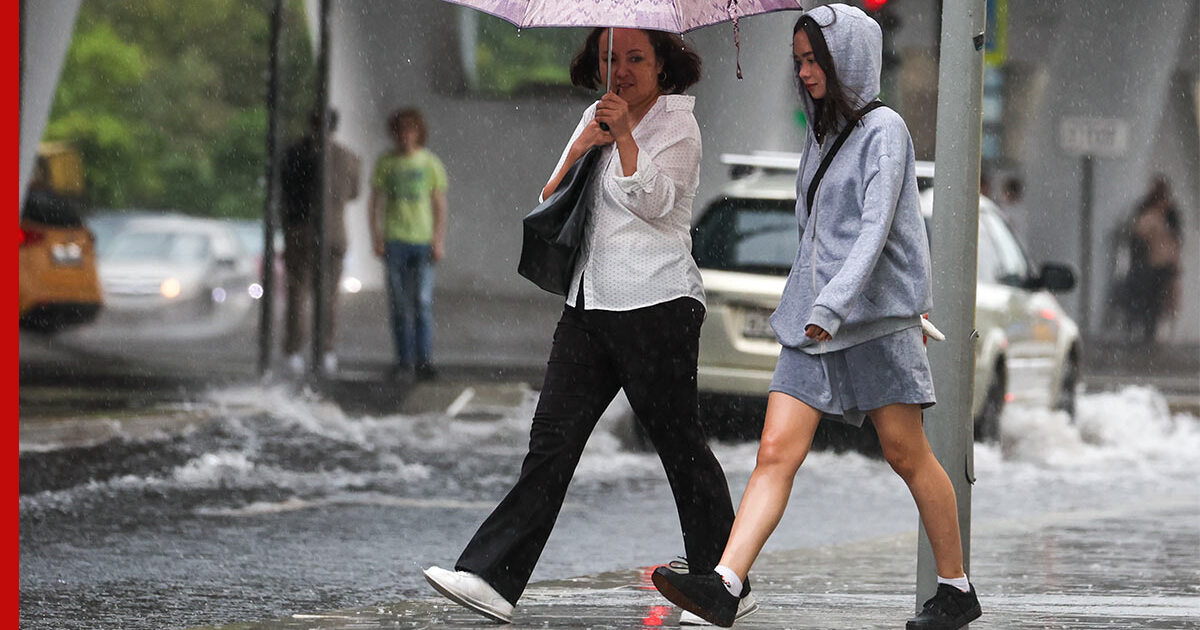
{"x": 295, "y": 364}
{"x": 330, "y": 363}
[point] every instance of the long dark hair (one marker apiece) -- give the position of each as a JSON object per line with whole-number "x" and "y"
{"x": 836, "y": 107}
{"x": 680, "y": 64}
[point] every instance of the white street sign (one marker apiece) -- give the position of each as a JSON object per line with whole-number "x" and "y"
{"x": 1100, "y": 137}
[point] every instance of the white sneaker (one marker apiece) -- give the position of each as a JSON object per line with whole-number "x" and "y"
{"x": 330, "y": 362}
{"x": 295, "y": 363}
{"x": 469, "y": 590}
{"x": 747, "y": 606}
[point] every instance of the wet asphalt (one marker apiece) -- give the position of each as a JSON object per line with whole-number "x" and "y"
{"x": 1133, "y": 566}
{"x": 152, "y": 497}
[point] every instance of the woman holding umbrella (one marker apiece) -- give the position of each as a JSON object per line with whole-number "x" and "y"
{"x": 631, "y": 320}
{"x": 850, "y": 320}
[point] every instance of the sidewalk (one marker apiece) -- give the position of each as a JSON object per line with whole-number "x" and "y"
{"x": 479, "y": 338}
{"x": 1134, "y": 567}
{"x": 1173, "y": 369}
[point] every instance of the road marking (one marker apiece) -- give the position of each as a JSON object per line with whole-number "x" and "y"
{"x": 460, "y": 403}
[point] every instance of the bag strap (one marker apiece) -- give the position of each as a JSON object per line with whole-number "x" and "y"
{"x": 837, "y": 144}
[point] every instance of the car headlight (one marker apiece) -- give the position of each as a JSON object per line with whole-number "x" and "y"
{"x": 170, "y": 288}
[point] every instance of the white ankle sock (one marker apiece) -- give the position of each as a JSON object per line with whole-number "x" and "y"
{"x": 962, "y": 583}
{"x": 733, "y": 583}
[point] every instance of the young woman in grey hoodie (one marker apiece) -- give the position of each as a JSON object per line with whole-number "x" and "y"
{"x": 849, "y": 321}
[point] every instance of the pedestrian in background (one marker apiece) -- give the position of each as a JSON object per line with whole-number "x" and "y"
{"x": 849, "y": 320}
{"x": 302, "y": 196}
{"x": 408, "y": 230}
{"x": 1152, "y": 285}
{"x": 1012, "y": 207}
{"x": 631, "y": 321}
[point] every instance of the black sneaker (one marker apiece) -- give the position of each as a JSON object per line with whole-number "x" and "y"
{"x": 948, "y": 609}
{"x": 702, "y": 594}
{"x": 747, "y": 605}
{"x": 426, "y": 372}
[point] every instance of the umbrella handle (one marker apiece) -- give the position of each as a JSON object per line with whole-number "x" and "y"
{"x": 608, "y": 81}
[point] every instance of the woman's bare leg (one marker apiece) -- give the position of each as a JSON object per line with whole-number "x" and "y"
{"x": 904, "y": 445}
{"x": 786, "y": 438}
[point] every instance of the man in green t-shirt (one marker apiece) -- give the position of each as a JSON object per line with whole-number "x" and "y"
{"x": 408, "y": 230}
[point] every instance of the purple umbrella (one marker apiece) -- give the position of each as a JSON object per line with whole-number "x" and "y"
{"x": 675, "y": 16}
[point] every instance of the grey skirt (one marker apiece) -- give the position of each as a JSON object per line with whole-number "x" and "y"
{"x": 845, "y": 384}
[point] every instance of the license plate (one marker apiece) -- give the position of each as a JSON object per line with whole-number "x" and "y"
{"x": 756, "y": 324}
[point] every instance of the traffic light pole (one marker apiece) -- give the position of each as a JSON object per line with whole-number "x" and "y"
{"x": 949, "y": 424}
{"x": 266, "y": 317}
{"x": 320, "y": 284}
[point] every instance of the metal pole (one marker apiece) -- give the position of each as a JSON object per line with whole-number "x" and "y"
{"x": 266, "y": 313}
{"x": 949, "y": 425}
{"x": 1085, "y": 245}
{"x": 320, "y": 283}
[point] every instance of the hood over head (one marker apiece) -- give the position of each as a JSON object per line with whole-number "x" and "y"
{"x": 855, "y": 43}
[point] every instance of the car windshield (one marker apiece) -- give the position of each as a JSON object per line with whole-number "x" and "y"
{"x": 159, "y": 246}
{"x": 750, "y": 235}
{"x": 1011, "y": 265}
{"x": 251, "y": 236}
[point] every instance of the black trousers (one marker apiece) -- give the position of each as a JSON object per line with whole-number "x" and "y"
{"x": 650, "y": 352}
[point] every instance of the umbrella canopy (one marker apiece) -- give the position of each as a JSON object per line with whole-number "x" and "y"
{"x": 676, "y": 16}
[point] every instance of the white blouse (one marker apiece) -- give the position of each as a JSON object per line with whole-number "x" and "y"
{"x": 637, "y": 245}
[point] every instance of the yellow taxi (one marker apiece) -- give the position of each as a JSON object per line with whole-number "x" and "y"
{"x": 58, "y": 286}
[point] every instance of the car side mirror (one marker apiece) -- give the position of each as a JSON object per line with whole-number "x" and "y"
{"x": 1056, "y": 278}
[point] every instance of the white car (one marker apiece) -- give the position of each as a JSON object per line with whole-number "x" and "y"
{"x": 744, "y": 242}
{"x": 176, "y": 271}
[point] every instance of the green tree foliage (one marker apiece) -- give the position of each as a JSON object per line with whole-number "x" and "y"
{"x": 511, "y": 60}
{"x": 166, "y": 101}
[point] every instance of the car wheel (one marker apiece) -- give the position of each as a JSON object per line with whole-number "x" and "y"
{"x": 1069, "y": 385}
{"x": 987, "y": 423}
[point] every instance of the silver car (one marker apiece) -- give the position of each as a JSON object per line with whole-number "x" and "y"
{"x": 176, "y": 271}
{"x": 744, "y": 242}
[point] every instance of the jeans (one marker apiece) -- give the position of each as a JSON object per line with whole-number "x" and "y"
{"x": 651, "y": 352}
{"x": 410, "y": 301}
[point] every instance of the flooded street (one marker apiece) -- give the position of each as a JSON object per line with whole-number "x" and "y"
{"x": 270, "y": 503}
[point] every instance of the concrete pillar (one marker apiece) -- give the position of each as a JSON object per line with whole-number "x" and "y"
{"x": 1116, "y": 61}
{"x": 46, "y": 29}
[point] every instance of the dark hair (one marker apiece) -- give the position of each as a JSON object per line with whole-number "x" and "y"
{"x": 1013, "y": 186}
{"x": 836, "y": 106}
{"x": 314, "y": 119}
{"x": 680, "y": 64}
{"x": 408, "y": 116}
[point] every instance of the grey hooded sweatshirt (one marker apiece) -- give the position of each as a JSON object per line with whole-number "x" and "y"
{"x": 862, "y": 271}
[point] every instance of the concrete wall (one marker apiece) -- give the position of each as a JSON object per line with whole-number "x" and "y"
{"x": 1135, "y": 61}
{"x": 1119, "y": 60}
{"x": 499, "y": 153}
{"x": 46, "y": 29}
